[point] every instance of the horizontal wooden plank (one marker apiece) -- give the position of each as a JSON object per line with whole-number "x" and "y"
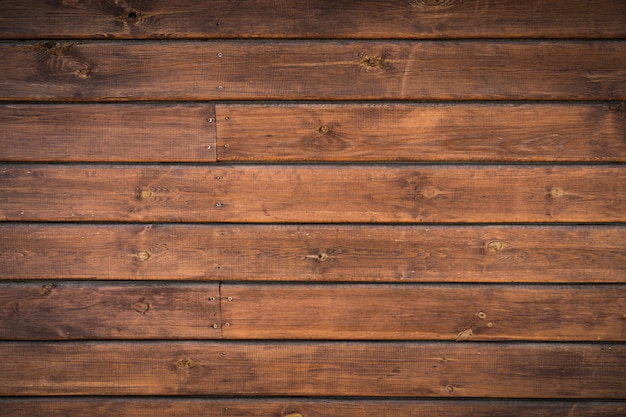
{"x": 576, "y": 254}
{"x": 375, "y": 369}
{"x": 62, "y": 310}
{"x": 290, "y": 407}
{"x": 422, "y": 132}
{"x": 280, "y": 70}
{"x": 417, "y": 312}
{"x": 313, "y": 193}
{"x": 102, "y": 133}
{"x": 361, "y": 18}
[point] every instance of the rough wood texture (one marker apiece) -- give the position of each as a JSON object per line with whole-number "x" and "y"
{"x": 297, "y": 70}
{"x": 313, "y": 19}
{"x": 314, "y": 369}
{"x": 576, "y": 254}
{"x": 313, "y": 193}
{"x": 290, "y": 407}
{"x": 401, "y": 312}
{"x": 107, "y": 133}
{"x": 62, "y": 310}
{"x": 420, "y": 132}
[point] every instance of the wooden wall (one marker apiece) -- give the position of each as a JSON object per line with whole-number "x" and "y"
{"x": 320, "y": 208}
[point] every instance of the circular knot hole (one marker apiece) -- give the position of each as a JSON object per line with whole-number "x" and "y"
{"x": 494, "y": 246}
{"x": 323, "y": 130}
{"x": 481, "y": 315}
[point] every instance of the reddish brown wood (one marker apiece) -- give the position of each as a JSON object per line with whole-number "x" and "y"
{"x": 396, "y": 253}
{"x": 313, "y": 19}
{"x": 419, "y": 132}
{"x": 291, "y": 407}
{"x": 314, "y": 369}
{"x": 62, "y": 310}
{"x": 401, "y": 312}
{"x": 313, "y": 193}
{"x": 105, "y": 133}
{"x": 299, "y": 70}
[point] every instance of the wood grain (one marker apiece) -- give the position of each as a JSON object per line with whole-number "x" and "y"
{"x": 421, "y": 132}
{"x": 576, "y": 254}
{"x": 431, "y": 312}
{"x": 107, "y": 133}
{"x": 62, "y": 310}
{"x": 313, "y": 19}
{"x": 376, "y": 369}
{"x": 299, "y": 70}
{"x": 313, "y": 193}
{"x": 291, "y": 407}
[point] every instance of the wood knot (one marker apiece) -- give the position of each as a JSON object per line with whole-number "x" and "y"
{"x": 428, "y": 193}
{"x": 131, "y": 16}
{"x": 373, "y": 63}
{"x": 53, "y": 48}
{"x": 557, "y": 192}
{"x": 46, "y": 289}
{"x": 449, "y": 388}
{"x": 185, "y": 364}
{"x": 323, "y": 130}
{"x": 494, "y": 246}
{"x": 140, "y": 307}
{"x": 145, "y": 194}
{"x": 143, "y": 255}
{"x": 464, "y": 335}
{"x": 293, "y": 415}
{"x": 481, "y": 315}
{"x": 321, "y": 256}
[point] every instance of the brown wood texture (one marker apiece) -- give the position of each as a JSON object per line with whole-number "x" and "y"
{"x": 313, "y": 19}
{"x": 313, "y": 193}
{"x": 290, "y": 407}
{"x": 394, "y": 253}
{"x": 298, "y": 70}
{"x": 422, "y": 132}
{"x": 428, "y": 369}
{"x": 431, "y": 312}
{"x": 62, "y": 310}
{"x": 107, "y": 133}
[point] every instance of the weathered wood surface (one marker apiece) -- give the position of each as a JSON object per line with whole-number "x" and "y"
{"x": 401, "y": 312}
{"x": 313, "y": 19}
{"x": 576, "y": 254}
{"x": 62, "y": 310}
{"x": 107, "y": 133}
{"x": 298, "y": 70}
{"x": 291, "y": 407}
{"x": 421, "y": 132}
{"x": 428, "y": 369}
{"x": 313, "y": 193}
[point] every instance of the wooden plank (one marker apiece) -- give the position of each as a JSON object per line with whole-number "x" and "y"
{"x": 422, "y": 132}
{"x": 280, "y": 70}
{"x": 62, "y": 310}
{"x": 576, "y": 254}
{"x": 313, "y": 193}
{"x": 312, "y": 19}
{"x": 291, "y": 407}
{"x": 376, "y": 369}
{"x": 424, "y": 312}
{"x": 103, "y": 133}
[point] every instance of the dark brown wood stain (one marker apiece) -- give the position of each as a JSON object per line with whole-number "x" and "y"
{"x": 365, "y": 208}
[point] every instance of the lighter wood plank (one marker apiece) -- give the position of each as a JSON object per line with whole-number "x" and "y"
{"x": 284, "y": 407}
{"x": 401, "y": 312}
{"x": 399, "y": 132}
{"x": 576, "y": 254}
{"x": 312, "y": 19}
{"x": 279, "y": 70}
{"x": 319, "y": 369}
{"x": 107, "y": 133}
{"x": 62, "y": 310}
{"x": 313, "y": 193}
